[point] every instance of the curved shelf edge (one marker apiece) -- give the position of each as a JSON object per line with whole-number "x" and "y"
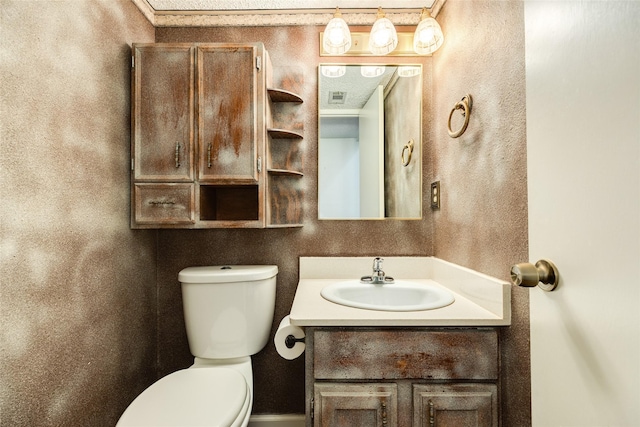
{"x": 284, "y": 172}
{"x": 293, "y": 225}
{"x": 281, "y": 95}
{"x": 284, "y": 133}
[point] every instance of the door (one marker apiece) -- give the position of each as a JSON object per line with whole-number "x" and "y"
{"x": 455, "y": 405}
{"x": 228, "y": 113}
{"x": 371, "y": 126}
{"x": 163, "y": 110}
{"x": 583, "y": 154}
{"x": 350, "y": 405}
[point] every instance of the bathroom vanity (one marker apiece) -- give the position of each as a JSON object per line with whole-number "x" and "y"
{"x": 392, "y": 368}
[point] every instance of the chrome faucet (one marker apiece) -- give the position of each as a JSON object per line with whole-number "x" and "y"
{"x": 377, "y": 277}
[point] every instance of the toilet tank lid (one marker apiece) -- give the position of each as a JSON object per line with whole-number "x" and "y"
{"x": 227, "y": 273}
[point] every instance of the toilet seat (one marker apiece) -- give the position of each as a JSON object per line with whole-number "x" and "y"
{"x": 215, "y": 397}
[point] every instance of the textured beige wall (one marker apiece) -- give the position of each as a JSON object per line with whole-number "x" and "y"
{"x": 482, "y": 223}
{"x": 77, "y": 292}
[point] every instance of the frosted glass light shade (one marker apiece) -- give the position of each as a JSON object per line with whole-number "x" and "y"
{"x": 371, "y": 70}
{"x": 409, "y": 71}
{"x": 383, "y": 38}
{"x": 428, "y": 36}
{"x": 334, "y": 71}
{"x": 337, "y": 37}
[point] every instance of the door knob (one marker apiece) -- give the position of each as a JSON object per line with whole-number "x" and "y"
{"x": 543, "y": 274}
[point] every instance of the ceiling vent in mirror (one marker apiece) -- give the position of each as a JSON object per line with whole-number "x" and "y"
{"x": 337, "y": 97}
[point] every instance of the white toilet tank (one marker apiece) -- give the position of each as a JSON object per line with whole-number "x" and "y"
{"x": 228, "y": 310}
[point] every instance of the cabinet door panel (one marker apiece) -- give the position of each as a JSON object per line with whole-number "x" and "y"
{"x": 163, "y": 112}
{"x": 455, "y": 405}
{"x": 350, "y": 405}
{"x": 227, "y": 120}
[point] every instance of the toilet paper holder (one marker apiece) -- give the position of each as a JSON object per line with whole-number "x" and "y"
{"x": 544, "y": 274}
{"x": 290, "y": 341}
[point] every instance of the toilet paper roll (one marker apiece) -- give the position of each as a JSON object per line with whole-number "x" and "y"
{"x": 284, "y": 330}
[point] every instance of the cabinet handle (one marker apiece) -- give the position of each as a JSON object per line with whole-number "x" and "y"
{"x": 432, "y": 415}
{"x": 384, "y": 413}
{"x": 177, "y": 155}
{"x": 209, "y": 156}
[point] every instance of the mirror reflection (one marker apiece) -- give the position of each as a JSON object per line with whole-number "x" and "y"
{"x": 370, "y": 141}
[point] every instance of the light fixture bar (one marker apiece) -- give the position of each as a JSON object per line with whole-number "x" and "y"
{"x": 360, "y": 46}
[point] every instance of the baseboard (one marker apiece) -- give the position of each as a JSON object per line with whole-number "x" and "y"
{"x": 285, "y": 420}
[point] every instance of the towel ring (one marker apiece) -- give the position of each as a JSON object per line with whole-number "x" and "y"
{"x": 465, "y": 105}
{"x": 408, "y": 148}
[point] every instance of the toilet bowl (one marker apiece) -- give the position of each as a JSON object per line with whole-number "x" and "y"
{"x": 228, "y": 316}
{"x": 192, "y": 397}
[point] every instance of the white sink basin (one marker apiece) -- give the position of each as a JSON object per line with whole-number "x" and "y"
{"x": 399, "y": 296}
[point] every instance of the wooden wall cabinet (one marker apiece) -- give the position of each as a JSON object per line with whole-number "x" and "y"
{"x": 204, "y": 142}
{"x": 421, "y": 377}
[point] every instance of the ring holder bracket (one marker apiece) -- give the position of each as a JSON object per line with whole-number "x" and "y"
{"x": 407, "y": 151}
{"x": 465, "y": 105}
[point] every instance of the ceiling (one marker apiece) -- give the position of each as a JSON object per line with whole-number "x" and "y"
{"x": 174, "y": 13}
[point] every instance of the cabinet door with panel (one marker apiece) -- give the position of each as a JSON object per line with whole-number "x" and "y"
{"x": 230, "y": 97}
{"x": 349, "y": 405}
{"x": 163, "y": 112}
{"x": 455, "y": 405}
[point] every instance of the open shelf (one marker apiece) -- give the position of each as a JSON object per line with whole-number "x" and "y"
{"x": 285, "y": 172}
{"x": 284, "y": 134}
{"x": 228, "y": 202}
{"x": 281, "y": 95}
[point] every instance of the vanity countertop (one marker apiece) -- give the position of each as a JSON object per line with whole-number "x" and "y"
{"x": 480, "y": 300}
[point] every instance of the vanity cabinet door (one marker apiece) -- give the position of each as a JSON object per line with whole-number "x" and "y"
{"x": 163, "y": 112}
{"x": 455, "y": 405}
{"x": 351, "y": 405}
{"x": 230, "y": 93}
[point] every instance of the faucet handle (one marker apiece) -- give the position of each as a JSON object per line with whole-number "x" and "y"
{"x": 377, "y": 264}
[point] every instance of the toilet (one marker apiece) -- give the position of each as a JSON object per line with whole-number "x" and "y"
{"x": 228, "y": 313}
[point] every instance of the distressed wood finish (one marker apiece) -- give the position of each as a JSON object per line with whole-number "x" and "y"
{"x": 396, "y": 354}
{"x": 455, "y": 405}
{"x": 163, "y": 112}
{"x": 240, "y": 177}
{"x": 164, "y": 203}
{"x": 349, "y": 405}
{"x": 284, "y": 160}
{"x": 227, "y": 113}
{"x": 441, "y": 376}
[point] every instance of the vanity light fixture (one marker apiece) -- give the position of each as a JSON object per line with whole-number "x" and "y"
{"x": 337, "y": 37}
{"x": 428, "y": 36}
{"x": 371, "y": 70}
{"x": 383, "y": 38}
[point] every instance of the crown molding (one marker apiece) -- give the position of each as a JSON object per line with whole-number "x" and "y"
{"x": 274, "y": 17}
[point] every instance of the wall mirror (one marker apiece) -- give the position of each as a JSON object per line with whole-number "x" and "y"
{"x": 370, "y": 141}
